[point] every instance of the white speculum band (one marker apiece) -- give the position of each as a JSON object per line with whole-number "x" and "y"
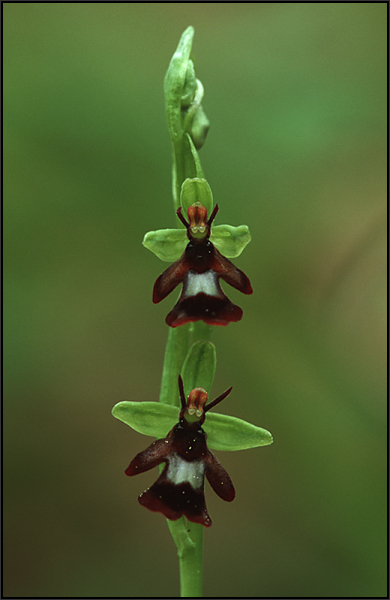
{"x": 206, "y": 282}
{"x": 181, "y": 471}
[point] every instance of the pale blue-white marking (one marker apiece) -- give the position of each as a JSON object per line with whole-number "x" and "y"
{"x": 181, "y": 471}
{"x": 206, "y": 282}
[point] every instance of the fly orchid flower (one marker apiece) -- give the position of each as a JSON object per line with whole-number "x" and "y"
{"x": 179, "y": 490}
{"x": 200, "y": 268}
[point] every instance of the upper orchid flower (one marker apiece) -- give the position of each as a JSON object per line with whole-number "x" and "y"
{"x": 201, "y": 265}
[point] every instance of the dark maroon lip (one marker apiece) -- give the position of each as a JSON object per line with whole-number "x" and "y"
{"x": 211, "y": 310}
{"x": 175, "y": 501}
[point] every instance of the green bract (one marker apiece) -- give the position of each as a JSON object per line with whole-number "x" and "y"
{"x": 199, "y": 366}
{"x": 223, "y": 432}
{"x": 191, "y": 158}
{"x": 196, "y": 190}
{"x": 179, "y": 84}
{"x": 200, "y": 128}
{"x": 169, "y": 244}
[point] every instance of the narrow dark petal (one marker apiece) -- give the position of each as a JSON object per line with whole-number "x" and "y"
{"x": 218, "y": 400}
{"x": 210, "y": 309}
{"x": 213, "y": 215}
{"x": 174, "y": 501}
{"x": 182, "y": 218}
{"x": 149, "y": 458}
{"x": 218, "y": 478}
{"x": 182, "y": 394}
{"x": 229, "y": 273}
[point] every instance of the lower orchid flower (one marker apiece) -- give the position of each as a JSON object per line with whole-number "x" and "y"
{"x": 179, "y": 490}
{"x": 186, "y": 450}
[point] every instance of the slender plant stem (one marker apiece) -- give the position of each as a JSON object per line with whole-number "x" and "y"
{"x": 187, "y": 536}
{"x": 191, "y": 564}
{"x": 180, "y": 77}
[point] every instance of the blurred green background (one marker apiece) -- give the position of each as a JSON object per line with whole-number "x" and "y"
{"x": 296, "y": 96}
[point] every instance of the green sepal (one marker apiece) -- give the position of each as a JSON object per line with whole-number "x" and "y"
{"x": 199, "y": 366}
{"x": 167, "y": 244}
{"x": 223, "y": 431}
{"x": 230, "y": 433}
{"x": 229, "y": 240}
{"x": 149, "y": 418}
{"x": 196, "y": 190}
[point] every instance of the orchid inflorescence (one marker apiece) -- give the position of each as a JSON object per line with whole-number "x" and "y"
{"x": 200, "y": 255}
{"x": 179, "y": 490}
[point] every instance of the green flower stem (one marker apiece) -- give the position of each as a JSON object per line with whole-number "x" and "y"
{"x": 187, "y": 125}
{"x": 189, "y": 352}
{"x": 201, "y": 331}
{"x": 183, "y": 96}
{"x": 188, "y": 538}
